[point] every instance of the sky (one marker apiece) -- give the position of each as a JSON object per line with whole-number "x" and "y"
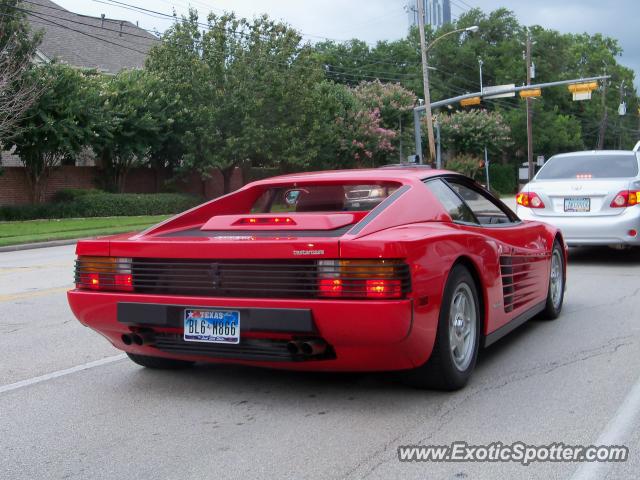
{"x": 373, "y": 20}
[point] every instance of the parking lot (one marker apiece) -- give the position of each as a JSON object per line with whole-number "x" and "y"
{"x": 71, "y": 406}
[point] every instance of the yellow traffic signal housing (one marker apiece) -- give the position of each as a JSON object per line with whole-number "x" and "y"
{"x": 467, "y": 102}
{"x": 582, "y": 87}
{"x": 534, "y": 92}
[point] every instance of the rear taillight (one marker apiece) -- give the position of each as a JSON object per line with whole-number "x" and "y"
{"x": 529, "y": 200}
{"x": 104, "y": 273}
{"x": 626, "y": 198}
{"x": 375, "y": 279}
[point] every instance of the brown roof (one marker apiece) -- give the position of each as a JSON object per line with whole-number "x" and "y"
{"x": 88, "y": 42}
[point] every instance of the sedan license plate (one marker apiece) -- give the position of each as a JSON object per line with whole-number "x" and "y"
{"x": 577, "y": 204}
{"x": 212, "y": 326}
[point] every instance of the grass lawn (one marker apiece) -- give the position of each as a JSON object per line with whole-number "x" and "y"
{"x": 14, "y": 233}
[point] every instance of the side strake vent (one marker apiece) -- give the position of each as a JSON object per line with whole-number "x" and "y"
{"x": 370, "y": 279}
{"x": 520, "y": 279}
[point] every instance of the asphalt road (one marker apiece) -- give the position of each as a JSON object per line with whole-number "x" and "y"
{"x": 82, "y": 411}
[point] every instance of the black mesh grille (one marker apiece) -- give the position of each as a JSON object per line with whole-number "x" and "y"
{"x": 225, "y": 278}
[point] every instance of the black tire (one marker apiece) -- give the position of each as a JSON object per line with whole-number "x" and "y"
{"x": 159, "y": 363}
{"x": 553, "y": 306}
{"x": 440, "y": 371}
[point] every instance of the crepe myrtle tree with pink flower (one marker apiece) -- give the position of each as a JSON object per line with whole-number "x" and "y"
{"x": 469, "y": 132}
{"x": 365, "y": 143}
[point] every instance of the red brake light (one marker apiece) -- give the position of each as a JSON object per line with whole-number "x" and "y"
{"x": 330, "y": 287}
{"x": 384, "y": 288}
{"x": 626, "y": 198}
{"x": 529, "y": 200}
{"x": 93, "y": 281}
{"x": 265, "y": 221}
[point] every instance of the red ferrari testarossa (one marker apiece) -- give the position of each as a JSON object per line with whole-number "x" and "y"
{"x": 403, "y": 268}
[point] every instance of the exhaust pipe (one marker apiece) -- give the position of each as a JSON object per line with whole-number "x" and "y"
{"x": 141, "y": 339}
{"x": 313, "y": 347}
{"x": 294, "y": 348}
{"x": 127, "y": 339}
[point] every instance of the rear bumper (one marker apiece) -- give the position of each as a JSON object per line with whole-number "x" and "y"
{"x": 602, "y": 230}
{"x": 363, "y": 335}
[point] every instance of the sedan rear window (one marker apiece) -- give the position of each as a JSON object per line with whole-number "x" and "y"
{"x": 585, "y": 167}
{"x": 323, "y": 198}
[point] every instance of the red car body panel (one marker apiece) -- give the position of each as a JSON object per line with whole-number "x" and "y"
{"x": 365, "y": 334}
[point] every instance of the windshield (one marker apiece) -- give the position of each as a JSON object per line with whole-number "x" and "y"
{"x": 585, "y": 167}
{"x": 323, "y": 198}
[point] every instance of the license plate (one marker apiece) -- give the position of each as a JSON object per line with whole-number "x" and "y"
{"x": 212, "y": 326}
{"x": 577, "y": 204}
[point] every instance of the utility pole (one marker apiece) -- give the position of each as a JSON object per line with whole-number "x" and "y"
{"x": 480, "y": 63}
{"x": 529, "y": 111}
{"x": 605, "y": 117}
{"x": 622, "y": 111}
{"x": 425, "y": 78}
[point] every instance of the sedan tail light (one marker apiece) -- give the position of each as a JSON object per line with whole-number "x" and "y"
{"x": 104, "y": 273}
{"x": 529, "y": 199}
{"x": 626, "y": 198}
{"x": 374, "y": 279}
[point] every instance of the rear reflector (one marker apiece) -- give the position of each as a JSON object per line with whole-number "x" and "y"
{"x": 529, "y": 199}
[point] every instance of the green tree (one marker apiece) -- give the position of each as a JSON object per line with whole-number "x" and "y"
{"x": 56, "y": 127}
{"x": 130, "y": 123}
{"x": 245, "y": 90}
{"x": 17, "y": 47}
{"x": 469, "y": 132}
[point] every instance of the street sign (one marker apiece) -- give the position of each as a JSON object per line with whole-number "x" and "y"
{"x": 523, "y": 174}
{"x": 490, "y": 93}
{"x": 540, "y": 160}
{"x": 578, "y": 96}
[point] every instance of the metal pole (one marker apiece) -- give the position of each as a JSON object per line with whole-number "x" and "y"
{"x": 605, "y": 116}
{"x": 418, "y": 134}
{"x": 529, "y": 112}
{"x": 401, "y": 152}
{"x": 425, "y": 77}
{"x": 480, "y": 62}
{"x": 439, "y": 151}
{"x": 486, "y": 168}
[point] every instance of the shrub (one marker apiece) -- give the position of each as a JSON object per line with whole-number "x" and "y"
{"x": 100, "y": 204}
{"x": 70, "y": 194}
{"x": 469, "y": 165}
{"x": 503, "y": 178}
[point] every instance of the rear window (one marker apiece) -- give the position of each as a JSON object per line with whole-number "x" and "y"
{"x": 323, "y": 198}
{"x": 589, "y": 166}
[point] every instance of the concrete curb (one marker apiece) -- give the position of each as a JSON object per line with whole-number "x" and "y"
{"x": 31, "y": 246}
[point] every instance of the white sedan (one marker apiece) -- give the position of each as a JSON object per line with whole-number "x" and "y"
{"x": 591, "y": 196}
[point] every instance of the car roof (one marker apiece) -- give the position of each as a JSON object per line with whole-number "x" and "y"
{"x": 596, "y": 153}
{"x": 366, "y": 174}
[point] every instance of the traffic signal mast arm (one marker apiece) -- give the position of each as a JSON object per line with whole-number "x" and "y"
{"x": 580, "y": 84}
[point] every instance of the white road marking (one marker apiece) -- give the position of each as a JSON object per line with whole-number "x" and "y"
{"x": 60, "y": 373}
{"x": 617, "y": 432}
